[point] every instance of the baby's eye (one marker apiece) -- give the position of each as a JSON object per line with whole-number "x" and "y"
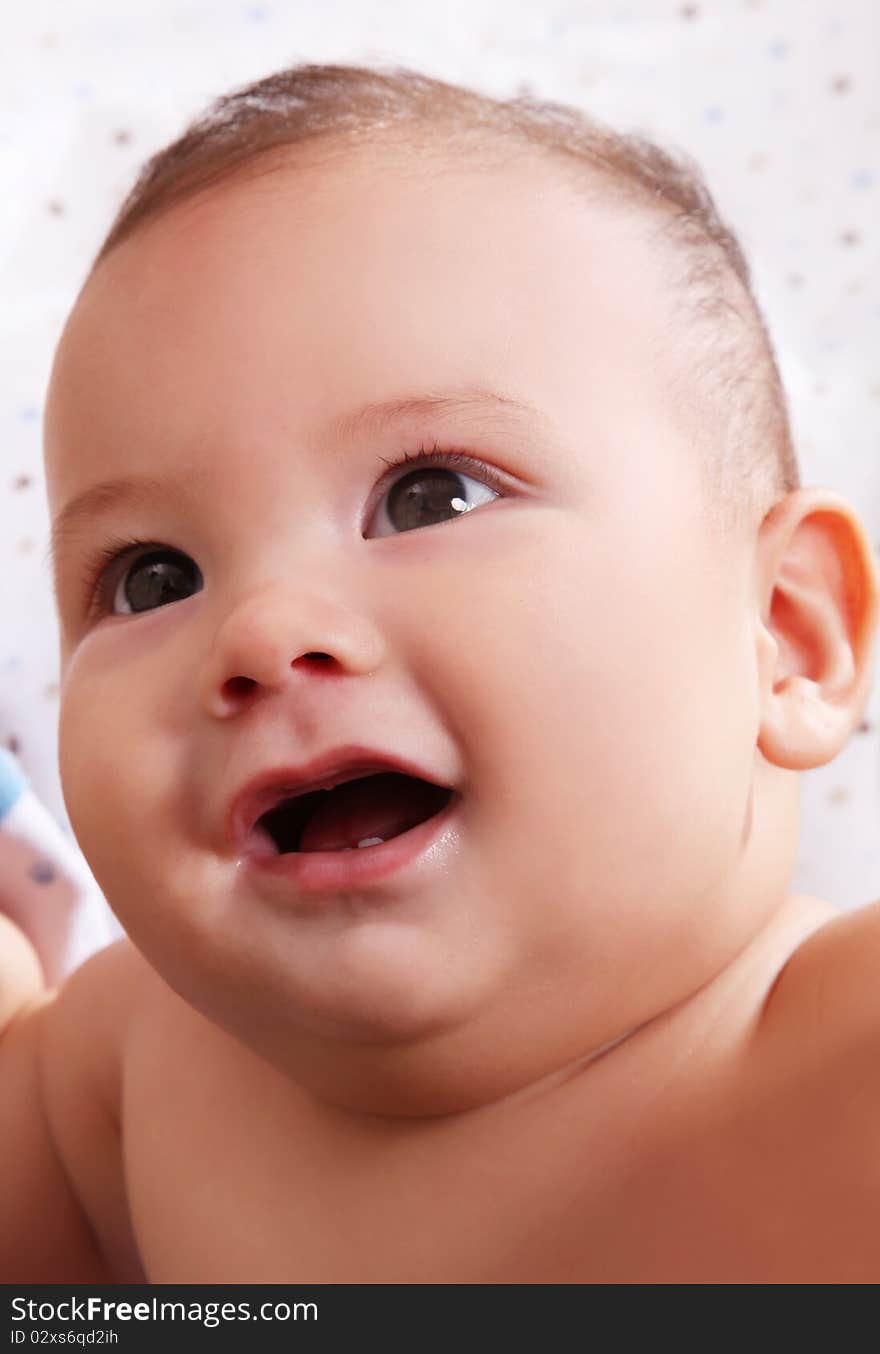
{"x": 432, "y": 494}
{"x": 154, "y": 579}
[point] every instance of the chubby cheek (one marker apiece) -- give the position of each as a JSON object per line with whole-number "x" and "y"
{"x": 115, "y": 768}
{"x": 602, "y": 695}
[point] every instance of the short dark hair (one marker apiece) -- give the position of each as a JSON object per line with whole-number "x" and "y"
{"x": 749, "y": 461}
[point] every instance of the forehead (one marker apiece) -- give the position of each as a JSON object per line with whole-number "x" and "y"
{"x": 315, "y": 287}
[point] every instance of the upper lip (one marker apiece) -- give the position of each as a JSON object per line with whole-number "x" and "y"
{"x": 272, "y": 786}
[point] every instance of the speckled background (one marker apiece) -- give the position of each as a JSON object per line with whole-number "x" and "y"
{"x": 779, "y": 100}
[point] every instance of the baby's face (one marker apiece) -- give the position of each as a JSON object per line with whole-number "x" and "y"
{"x": 574, "y": 654}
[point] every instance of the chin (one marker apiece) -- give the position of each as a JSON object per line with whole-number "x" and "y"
{"x": 289, "y": 1013}
{"x": 380, "y": 1004}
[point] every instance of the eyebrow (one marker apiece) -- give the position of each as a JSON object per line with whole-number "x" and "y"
{"x": 136, "y": 490}
{"x": 97, "y": 501}
{"x": 446, "y": 404}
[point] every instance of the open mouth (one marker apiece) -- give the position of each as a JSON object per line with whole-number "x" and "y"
{"x": 357, "y": 814}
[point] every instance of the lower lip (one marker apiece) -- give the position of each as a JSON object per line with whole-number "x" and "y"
{"x": 326, "y": 871}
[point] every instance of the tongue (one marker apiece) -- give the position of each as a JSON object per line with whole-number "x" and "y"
{"x": 377, "y": 806}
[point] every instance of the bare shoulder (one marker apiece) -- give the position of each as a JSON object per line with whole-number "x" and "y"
{"x": 826, "y": 998}
{"x": 62, "y": 1071}
{"x": 802, "y": 1118}
{"x": 87, "y": 1026}
{"x": 85, "y": 1051}
{"x": 818, "y": 1103}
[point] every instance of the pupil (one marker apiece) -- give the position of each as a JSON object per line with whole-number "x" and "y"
{"x": 157, "y": 580}
{"x": 424, "y": 497}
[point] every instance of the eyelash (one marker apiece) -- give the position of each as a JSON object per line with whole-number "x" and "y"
{"x": 95, "y": 579}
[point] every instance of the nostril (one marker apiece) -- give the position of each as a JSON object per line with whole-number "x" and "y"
{"x": 235, "y": 687}
{"x": 239, "y": 686}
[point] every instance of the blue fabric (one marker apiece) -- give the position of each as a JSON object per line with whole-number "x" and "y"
{"x": 12, "y": 782}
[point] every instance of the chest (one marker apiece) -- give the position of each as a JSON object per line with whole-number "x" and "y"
{"x": 234, "y": 1178}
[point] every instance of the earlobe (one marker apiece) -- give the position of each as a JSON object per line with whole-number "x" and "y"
{"x": 817, "y": 627}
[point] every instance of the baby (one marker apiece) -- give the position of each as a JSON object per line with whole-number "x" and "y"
{"x": 444, "y": 628}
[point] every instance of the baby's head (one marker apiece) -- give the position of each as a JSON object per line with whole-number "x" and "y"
{"x": 602, "y": 611}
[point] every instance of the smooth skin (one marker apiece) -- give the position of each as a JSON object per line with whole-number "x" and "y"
{"x": 601, "y": 1040}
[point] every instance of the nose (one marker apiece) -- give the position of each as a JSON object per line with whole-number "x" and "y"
{"x": 273, "y": 634}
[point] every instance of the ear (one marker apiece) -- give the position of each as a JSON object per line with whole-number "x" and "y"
{"x": 818, "y": 598}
